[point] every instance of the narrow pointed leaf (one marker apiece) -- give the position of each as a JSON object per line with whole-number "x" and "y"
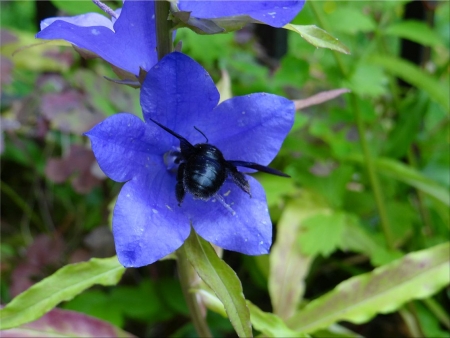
{"x": 408, "y": 72}
{"x": 318, "y": 37}
{"x": 408, "y": 175}
{"x": 221, "y": 279}
{"x": 416, "y": 31}
{"x": 417, "y": 275}
{"x": 63, "y": 285}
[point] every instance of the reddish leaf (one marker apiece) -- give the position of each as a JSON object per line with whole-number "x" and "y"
{"x": 65, "y": 323}
{"x": 44, "y": 251}
{"x": 79, "y": 161}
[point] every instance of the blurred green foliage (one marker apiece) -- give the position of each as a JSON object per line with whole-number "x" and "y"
{"x": 405, "y": 126}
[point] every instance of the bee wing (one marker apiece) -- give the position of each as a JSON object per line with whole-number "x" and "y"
{"x": 185, "y": 145}
{"x": 258, "y": 167}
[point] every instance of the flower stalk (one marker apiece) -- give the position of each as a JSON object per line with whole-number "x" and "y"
{"x": 164, "y": 43}
{"x": 164, "y": 46}
{"x": 184, "y": 272}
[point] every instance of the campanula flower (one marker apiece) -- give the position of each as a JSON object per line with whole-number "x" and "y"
{"x": 148, "y": 223}
{"x": 275, "y": 13}
{"x": 127, "y": 41}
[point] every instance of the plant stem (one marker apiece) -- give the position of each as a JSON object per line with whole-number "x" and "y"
{"x": 164, "y": 46}
{"x": 370, "y": 167}
{"x": 438, "y": 311}
{"x": 184, "y": 271}
{"x": 373, "y": 177}
{"x": 164, "y": 43}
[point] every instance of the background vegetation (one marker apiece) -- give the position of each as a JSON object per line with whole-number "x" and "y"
{"x": 370, "y": 169}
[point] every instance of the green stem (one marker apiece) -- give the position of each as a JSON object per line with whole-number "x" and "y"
{"x": 164, "y": 43}
{"x": 185, "y": 271}
{"x": 368, "y": 160}
{"x": 373, "y": 177}
{"x": 438, "y": 311}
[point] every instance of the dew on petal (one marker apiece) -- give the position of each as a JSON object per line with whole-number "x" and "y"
{"x": 95, "y": 31}
{"x": 154, "y": 211}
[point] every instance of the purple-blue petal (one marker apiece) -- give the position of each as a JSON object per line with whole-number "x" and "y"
{"x": 248, "y": 231}
{"x": 178, "y": 93}
{"x": 147, "y": 222}
{"x": 250, "y": 128}
{"x": 83, "y": 20}
{"x": 132, "y": 44}
{"x": 126, "y": 147}
{"x": 273, "y": 12}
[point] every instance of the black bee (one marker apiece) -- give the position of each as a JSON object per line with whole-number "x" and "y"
{"x": 203, "y": 169}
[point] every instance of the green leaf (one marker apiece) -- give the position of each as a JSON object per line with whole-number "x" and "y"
{"x": 355, "y": 20}
{"x": 221, "y": 279}
{"x": 415, "y": 276}
{"x": 270, "y": 325}
{"x": 288, "y": 264}
{"x": 322, "y": 233}
{"x": 412, "y": 74}
{"x": 318, "y": 37}
{"x": 63, "y": 285}
{"x": 76, "y": 7}
{"x": 416, "y": 31}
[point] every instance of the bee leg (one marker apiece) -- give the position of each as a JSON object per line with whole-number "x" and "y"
{"x": 179, "y": 188}
{"x": 240, "y": 180}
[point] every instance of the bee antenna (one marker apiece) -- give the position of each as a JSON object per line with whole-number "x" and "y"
{"x": 207, "y": 141}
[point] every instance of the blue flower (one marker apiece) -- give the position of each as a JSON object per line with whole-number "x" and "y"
{"x": 276, "y": 13}
{"x": 128, "y": 42}
{"x": 148, "y": 223}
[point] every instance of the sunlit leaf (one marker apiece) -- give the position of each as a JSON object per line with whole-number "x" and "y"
{"x": 221, "y": 279}
{"x": 63, "y": 285}
{"x": 318, "y": 37}
{"x": 270, "y": 325}
{"x": 288, "y": 264}
{"x": 322, "y": 233}
{"x": 64, "y": 323}
{"x": 417, "y": 275}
